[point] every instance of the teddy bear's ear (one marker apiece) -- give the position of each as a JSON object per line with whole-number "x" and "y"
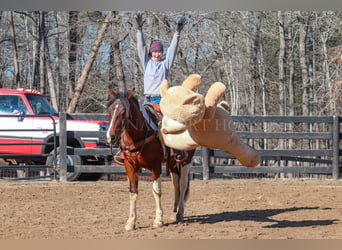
{"x": 164, "y": 87}
{"x": 192, "y": 82}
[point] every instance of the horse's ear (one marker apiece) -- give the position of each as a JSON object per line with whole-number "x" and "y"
{"x": 164, "y": 87}
{"x": 111, "y": 93}
{"x": 130, "y": 94}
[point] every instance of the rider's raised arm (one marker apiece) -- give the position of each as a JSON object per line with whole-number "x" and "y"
{"x": 172, "y": 50}
{"x": 142, "y": 49}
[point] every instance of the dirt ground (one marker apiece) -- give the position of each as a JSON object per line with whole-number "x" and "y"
{"x": 216, "y": 209}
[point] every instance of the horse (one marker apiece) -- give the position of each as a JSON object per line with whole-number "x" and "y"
{"x": 139, "y": 139}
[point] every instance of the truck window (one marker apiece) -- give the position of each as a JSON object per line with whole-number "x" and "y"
{"x": 40, "y": 105}
{"x": 12, "y": 105}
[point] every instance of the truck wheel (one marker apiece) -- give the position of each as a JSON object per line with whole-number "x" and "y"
{"x": 72, "y": 160}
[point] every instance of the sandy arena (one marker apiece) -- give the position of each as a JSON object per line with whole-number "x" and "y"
{"x": 217, "y": 209}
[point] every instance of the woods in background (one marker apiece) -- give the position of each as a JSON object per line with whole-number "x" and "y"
{"x": 273, "y": 62}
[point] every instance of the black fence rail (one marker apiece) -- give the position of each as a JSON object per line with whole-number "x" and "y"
{"x": 295, "y": 145}
{"x": 288, "y": 145}
{"x": 291, "y": 145}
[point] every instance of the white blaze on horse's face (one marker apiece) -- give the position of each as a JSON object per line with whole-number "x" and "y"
{"x": 111, "y": 123}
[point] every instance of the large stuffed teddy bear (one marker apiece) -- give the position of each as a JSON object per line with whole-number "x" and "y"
{"x": 190, "y": 120}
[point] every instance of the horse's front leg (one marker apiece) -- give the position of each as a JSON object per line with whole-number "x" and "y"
{"x": 156, "y": 190}
{"x": 132, "y": 218}
{"x": 183, "y": 191}
{"x": 133, "y": 195}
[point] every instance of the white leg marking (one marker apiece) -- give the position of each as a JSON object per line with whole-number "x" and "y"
{"x": 156, "y": 190}
{"x": 132, "y": 218}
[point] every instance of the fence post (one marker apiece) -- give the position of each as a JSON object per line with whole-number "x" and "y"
{"x": 336, "y": 150}
{"x": 62, "y": 147}
{"x": 205, "y": 163}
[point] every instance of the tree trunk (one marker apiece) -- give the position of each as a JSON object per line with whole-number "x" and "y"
{"x": 73, "y": 48}
{"x": 290, "y": 59}
{"x": 42, "y": 71}
{"x": 281, "y": 64}
{"x": 90, "y": 60}
{"x": 36, "y": 51}
{"x": 116, "y": 72}
{"x": 310, "y": 47}
{"x": 50, "y": 75}
{"x": 15, "y": 51}
{"x": 1, "y": 52}
{"x": 303, "y": 65}
{"x": 305, "y": 75}
{"x": 59, "y": 86}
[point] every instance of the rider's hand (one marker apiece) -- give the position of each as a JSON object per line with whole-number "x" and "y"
{"x": 181, "y": 23}
{"x": 140, "y": 21}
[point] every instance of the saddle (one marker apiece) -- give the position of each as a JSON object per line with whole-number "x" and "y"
{"x": 153, "y": 110}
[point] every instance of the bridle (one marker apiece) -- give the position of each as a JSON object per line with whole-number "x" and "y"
{"x": 123, "y": 110}
{"x": 121, "y": 106}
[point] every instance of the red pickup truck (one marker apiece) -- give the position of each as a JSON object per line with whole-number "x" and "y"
{"x": 28, "y": 125}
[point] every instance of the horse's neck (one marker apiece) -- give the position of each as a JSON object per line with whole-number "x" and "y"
{"x": 136, "y": 127}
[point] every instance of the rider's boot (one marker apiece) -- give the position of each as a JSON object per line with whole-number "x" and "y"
{"x": 181, "y": 156}
{"x": 119, "y": 158}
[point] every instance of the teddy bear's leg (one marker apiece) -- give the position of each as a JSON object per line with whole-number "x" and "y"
{"x": 212, "y": 98}
{"x": 247, "y": 155}
{"x": 192, "y": 82}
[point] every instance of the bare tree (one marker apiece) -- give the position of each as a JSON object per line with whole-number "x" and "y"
{"x": 73, "y": 49}
{"x": 15, "y": 50}
{"x": 50, "y": 78}
{"x": 272, "y": 62}
{"x": 90, "y": 60}
{"x": 303, "y": 64}
{"x": 281, "y": 64}
{"x": 116, "y": 72}
{"x": 1, "y": 49}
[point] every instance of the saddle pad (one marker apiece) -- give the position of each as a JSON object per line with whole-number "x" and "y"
{"x": 147, "y": 117}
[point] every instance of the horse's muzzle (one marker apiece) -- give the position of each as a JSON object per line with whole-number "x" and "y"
{"x": 113, "y": 139}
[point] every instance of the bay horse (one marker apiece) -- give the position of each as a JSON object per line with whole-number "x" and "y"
{"x": 139, "y": 140}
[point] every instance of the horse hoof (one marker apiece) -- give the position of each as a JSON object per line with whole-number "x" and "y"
{"x": 179, "y": 218}
{"x": 157, "y": 224}
{"x": 129, "y": 227}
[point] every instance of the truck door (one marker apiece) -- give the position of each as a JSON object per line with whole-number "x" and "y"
{"x": 12, "y": 125}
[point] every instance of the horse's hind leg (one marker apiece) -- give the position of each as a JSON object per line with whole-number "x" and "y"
{"x": 182, "y": 188}
{"x": 156, "y": 190}
{"x": 175, "y": 181}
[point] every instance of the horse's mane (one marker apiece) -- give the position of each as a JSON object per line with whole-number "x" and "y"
{"x": 123, "y": 97}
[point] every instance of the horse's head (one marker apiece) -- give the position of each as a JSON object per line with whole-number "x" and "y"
{"x": 118, "y": 113}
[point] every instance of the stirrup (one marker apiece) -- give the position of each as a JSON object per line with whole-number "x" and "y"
{"x": 118, "y": 159}
{"x": 181, "y": 156}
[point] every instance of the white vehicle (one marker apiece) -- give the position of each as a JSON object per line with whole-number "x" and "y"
{"x": 29, "y": 125}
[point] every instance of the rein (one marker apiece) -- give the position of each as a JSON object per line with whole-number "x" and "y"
{"x": 139, "y": 144}
{"x": 135, "y": 146}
